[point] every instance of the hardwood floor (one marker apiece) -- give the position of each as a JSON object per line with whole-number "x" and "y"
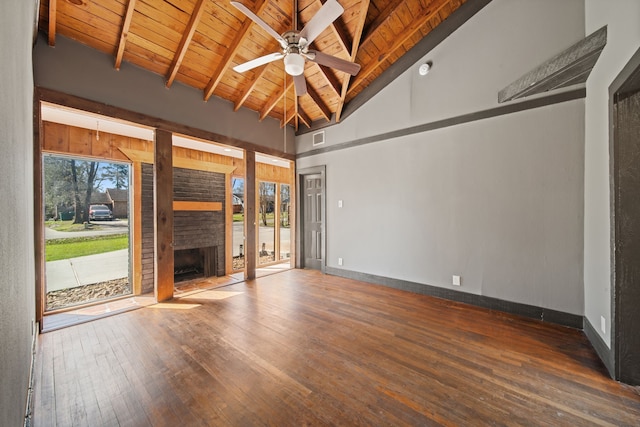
{"x": 301, "y": 348}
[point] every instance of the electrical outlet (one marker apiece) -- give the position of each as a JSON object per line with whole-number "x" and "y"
{"x": 339, "y": 261}
{"x": 456, "y": 280}
{"x": 603, "y": 324}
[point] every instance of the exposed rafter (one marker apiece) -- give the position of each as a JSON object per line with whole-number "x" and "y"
{"x": 186, "y": 40}
{"x": 273, "y": 101}
{"x": 124, "y": 33}
{"x": 383, "y": 17}
{"x": 354, "y": 52}
{"x": 334, "y": 83}
{"x": 231, "y": 51}
{"x": 251, "y": 86}
{"x": 52, "y": 22}
{"x": 304, "y": 117}
{"x": 426, "y": 13}
{"x": 326, "y": 112}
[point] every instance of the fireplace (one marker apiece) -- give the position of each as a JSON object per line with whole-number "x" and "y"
{"x": 194, "y": 263}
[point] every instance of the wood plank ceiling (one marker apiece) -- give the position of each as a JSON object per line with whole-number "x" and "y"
{"x": 198, "y": 42}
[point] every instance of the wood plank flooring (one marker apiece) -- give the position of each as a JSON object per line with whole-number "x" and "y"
{"x": 302, "y": 348}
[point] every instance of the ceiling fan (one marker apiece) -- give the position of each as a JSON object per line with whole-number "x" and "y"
{"x": 295, "y": 45}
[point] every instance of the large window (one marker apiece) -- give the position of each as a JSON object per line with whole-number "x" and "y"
{"x": 86, "y": 211}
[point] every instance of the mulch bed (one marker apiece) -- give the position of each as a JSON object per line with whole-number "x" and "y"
{"x": 87, "y": 293}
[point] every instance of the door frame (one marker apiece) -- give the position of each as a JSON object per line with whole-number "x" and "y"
{"x": 625, "y": 350}
{"x": 301, "y": 173}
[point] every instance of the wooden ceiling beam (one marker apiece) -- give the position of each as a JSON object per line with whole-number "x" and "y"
{"x": 231, "y": 51}
{"x": 186, "y": 40}
{"x": 326, "y": 112}
{"x": 364, "y": 7}
{"x": 421, "y": 19}
{"x": 273, "y": 101}
{"x": 382, "y": 18}
{"x": 305, "y": 118}
{"x": 53, "y": 7}
{"x": 338, "y": 30}
{"x": 250, "y": 87}
{"x": 124, "y": 33}
{"x": 288, "y": 117}
{"x": 291, "y": 115}
{"x": 328, "y": 75}
{"x": 343, "y": 38}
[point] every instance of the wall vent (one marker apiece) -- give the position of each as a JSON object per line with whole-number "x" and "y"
{"x": 318, "y": 138}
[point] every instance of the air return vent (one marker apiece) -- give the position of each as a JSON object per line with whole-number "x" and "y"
{"x": 318, "y": 138}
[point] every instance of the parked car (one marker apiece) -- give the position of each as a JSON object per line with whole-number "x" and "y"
{"x": 100, "y": 212}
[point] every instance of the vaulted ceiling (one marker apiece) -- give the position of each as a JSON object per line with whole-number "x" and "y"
{"x": 198, "y": 42}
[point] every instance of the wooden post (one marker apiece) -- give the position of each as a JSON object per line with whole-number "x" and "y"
{"x": 163, "y": 202}
{"x": 250, "y": 215}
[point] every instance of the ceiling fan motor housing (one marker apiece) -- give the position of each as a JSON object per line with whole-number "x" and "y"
{"x": 293, "y": 59}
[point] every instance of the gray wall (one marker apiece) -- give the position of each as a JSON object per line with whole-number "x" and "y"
{"x": 76, "y": 69}
{"x": 498, "y": 201}
{"x": 17, "y": 300}
{"x": 622, "y": 18}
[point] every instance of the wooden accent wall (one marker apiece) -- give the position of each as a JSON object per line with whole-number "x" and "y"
{"x": 65, "y": 139}
{"x": 185, "y": 153}
{"x": 273, "y": 173}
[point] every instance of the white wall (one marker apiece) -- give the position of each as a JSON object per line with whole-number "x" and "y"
{"x": 498, "y": 201}
{"x": 17, "y": 277}
{"x": 622, "y": 18}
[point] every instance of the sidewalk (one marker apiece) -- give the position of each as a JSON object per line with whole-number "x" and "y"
{"x": 86, "y": 270}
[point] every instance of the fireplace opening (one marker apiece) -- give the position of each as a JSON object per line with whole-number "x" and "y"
{"x": 194, "y": 263}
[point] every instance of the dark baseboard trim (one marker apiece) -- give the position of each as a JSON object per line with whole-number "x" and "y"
{"x": 525, "y": 310}
{"x": 570, "y": 95}
{"x": 601, "y": 348}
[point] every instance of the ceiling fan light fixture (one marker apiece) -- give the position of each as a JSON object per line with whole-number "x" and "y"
{"x": 294, "y": 64}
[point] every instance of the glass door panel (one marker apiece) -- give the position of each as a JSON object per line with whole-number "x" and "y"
{"x": 284, "y": 220}
{"x": 266, "y": 223}
{"x": 237, "y": 185}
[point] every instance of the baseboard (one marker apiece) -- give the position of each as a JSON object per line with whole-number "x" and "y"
{"x": 544, "y": 314}
{"x": 601, "y": 348}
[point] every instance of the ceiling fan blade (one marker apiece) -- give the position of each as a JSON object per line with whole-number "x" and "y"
{"x": 300, "y": 84}
{"x": 258, "y": 62}
{"x": 329, "y": 12}
{"x": 333, "y": 62}
{"x": 255, "y": 18}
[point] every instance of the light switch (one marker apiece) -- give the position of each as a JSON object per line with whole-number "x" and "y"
{"x": 339, "y": 203}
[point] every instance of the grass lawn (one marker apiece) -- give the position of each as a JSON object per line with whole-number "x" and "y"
{"x": 80, "y": 246}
